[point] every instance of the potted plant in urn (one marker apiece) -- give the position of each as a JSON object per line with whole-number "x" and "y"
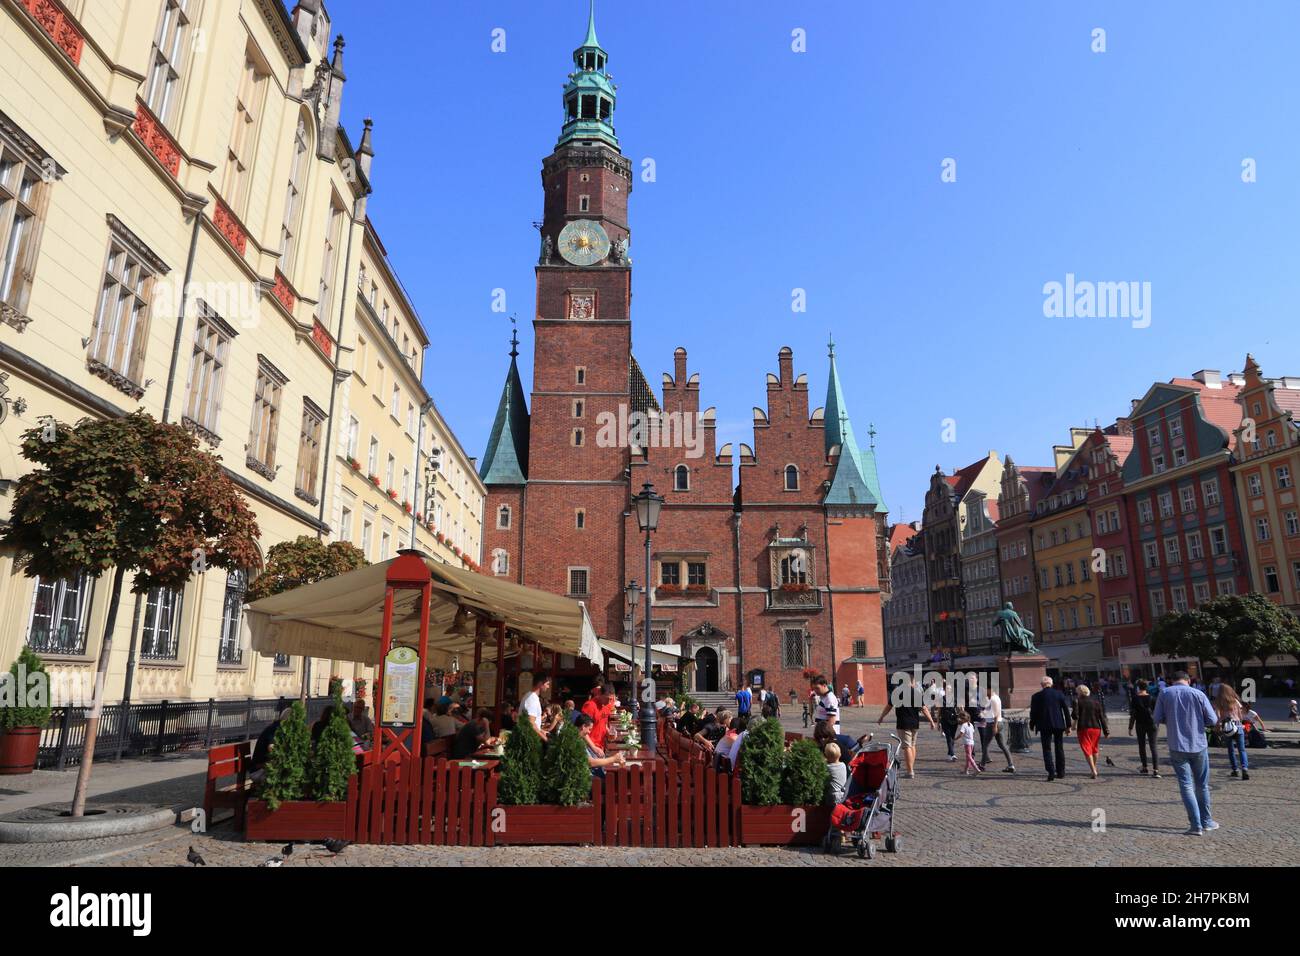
{"x": 24, "y": 712}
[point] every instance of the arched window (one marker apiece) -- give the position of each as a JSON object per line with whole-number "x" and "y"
{"x": 791, "y": 478}
{"x": 681, "y": 478}
{"x": 293, "y": 198}
{"x": 500, "y": 561}
{"x": 232, "y": 616}
{"x": 503, "y": 516}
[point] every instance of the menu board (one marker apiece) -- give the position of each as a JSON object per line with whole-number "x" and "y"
{"x": 401, "y": 687}
{"x": 485, "y": 694}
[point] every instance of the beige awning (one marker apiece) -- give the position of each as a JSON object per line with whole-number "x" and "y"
{"x": 342, "y": 618}
{"x": 661, "y": 655}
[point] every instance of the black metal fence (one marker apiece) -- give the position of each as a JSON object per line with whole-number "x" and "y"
{"x": 160, "y": 727}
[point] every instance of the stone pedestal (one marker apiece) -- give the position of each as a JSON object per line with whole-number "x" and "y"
{"x": 1020, "y": 677}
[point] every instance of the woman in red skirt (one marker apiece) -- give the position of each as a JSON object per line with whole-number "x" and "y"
{"x": 1090, "y": 719}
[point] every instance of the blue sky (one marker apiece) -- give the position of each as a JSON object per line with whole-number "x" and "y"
{"x": 821, "y": 170}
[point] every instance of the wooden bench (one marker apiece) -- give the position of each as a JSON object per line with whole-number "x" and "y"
{"x": 228, "y": 760}
{"x": 439, "y": 747}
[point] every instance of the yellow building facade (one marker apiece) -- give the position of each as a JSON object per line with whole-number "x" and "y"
{"x": 182, "y": 220}
{"x": 1068, "y": 594}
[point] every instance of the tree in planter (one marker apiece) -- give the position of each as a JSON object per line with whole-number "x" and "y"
{"x": 304, "y": 560}
{"x": 521, "y": 766}
{"x": 566, "y": 775}
{"x": 332, "y": 763}
{"x": 1236, "y": 627}
{"x": 804, "y": 774}
{"x": 286, "y": 766}
{"x": 30, "y": 706}
{"x": 124, "y": 495}
{"x": 760, "y": 771}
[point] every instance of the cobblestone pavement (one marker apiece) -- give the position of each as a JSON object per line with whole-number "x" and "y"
{"x": 943, "y": 817}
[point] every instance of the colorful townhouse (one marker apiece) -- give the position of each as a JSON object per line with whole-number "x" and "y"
{"x": 1021, "y": 489}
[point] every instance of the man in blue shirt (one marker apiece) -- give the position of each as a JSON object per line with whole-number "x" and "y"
{"x": 1186, "y": 714}
{"x": 744, "y": 702}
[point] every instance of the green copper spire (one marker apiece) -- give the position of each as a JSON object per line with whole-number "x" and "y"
{"x": 591, "y": 40}
{"x": 856, "y": 481}
{"x": 590, "y": 93}
{"x": 506, "y": 460}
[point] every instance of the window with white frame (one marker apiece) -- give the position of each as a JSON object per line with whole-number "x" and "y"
{"x": 313, "y": 420}
{"x": 1210, "y": 492}
{"x": 1179, "y": 594}
{"x": 681, "y": 478}
{"x": 1166, "y": 504}
{"x": 1187, "y": 498}
{"x": 330, "y": 261}
{"x": 500, "y": 561}
{"x": 1226, "y": 586}
{"x": 60, "y": 615}
{"x": 22, "y": 210}
{"x": 1151, "y": 554}
{"x": 353, "y": 437}
{"x": 503, "y": 517}
{"x": 578, "y": 581}
{"x": 266, "y": 415}
{"x": 791, "y": 478}
{"x": 1292, "y": 523}
{"x": 230, "y": 650}
{"x": 243, "y": 135}
{"x": 372, "y": 457}
{"x": 160, "y": 628}
{"x": 118, "y": 340}
{"x": 1194, "y": 550}
{"x": 207, "y": 382}
{"x": 1201, "y": 592}
{"x": 1254, "y": 487}
{"x": 1157, "y": 604}
{"x": 1173, "y": 553}
{"x": 1218, "y": 541}
{"x": 1175, "y": 427}
{"x": 167, "y": 61}
{"x": 1282, "y": 474}
{"x": 293, "y": 199}
{"x": 1180, "y": 457}
{"x": 1144, "y": 511}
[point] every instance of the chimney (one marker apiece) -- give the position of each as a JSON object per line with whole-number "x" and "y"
{"x": 366, "y": 151}
{"x": 1209, "y": 377}
{"x": 679, "y": 367}
{"x": 1237, "y": 378}
{"x": 333, "y": 101}
{"x": 785, "y": 363}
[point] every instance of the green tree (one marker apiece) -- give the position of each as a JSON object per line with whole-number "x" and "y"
{"x": 521, "y": 766}
{"x": 125, "y": 495}
{"x": 286, "y": 766}
{"x": 1237, "y": 628}
{"x": 760, "y": 770}
{"x": 35, "y": 709}
{"x": 804, "y": 775}
{"x": 304, "y": 560}
{"x": 332, "y": 763}
{"x": 566, "y": 775}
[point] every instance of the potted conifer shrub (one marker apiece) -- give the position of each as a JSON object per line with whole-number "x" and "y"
{"x": 24, "y": 712}
{"x": 800, "y": 818}
{"x": 283, "y": 808}
{"x": 567, "y": 815}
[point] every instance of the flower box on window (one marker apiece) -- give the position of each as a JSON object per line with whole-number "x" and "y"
{"x": 355, "y": 465}
{"x": 374, "y": 480}
{"x": 406, "y": 506}
{"x": 392, "y": 494}
{"x": 789, "y": 588}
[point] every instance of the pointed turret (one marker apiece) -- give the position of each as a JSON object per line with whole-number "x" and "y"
{"x": 590, "y": 93}
{"x": 506, "y": 460}
{"x": 856, "y": 481}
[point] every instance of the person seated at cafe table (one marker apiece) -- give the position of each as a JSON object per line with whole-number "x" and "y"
{"x": 475, "y": 734}
{"x": 722, "y": 750}
{"x": 359, "y": 721}
{"x": 596, "y": 758}
{"x": 570, "y": 711}
{"x": 714, "y": 728}
{"x": 443, "y": 723}
{"x": 552, "y": 720}
{"x": 689, "y": 722}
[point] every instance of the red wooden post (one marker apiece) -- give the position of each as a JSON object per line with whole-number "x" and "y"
{"x": 407, "y": 572}
{"x": 478, "y": 659}
{"x": 501, "y": 672}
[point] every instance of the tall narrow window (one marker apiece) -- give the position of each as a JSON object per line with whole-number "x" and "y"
{"x": 22, "y": 204}
{"x": 266, "y": 418}
{"x": 160, "y": 631}
{"x": 230, "y": 650}
{"x": 207, "y": 381}
{"x": 578, "y": 582}
{"x": 293, "y": 199}
{"x": 791, "y": 478}
{"x": 117, "y": 343}
{"x": 163, "y": 84}
{"x": 681, "y": 478}
{"x": 313, "y": 418}
{"x": 243, "y": 136}
{"x": 329, "y": 262}
{"x": 503, "y": 516}
{"x": 354, "y": 435}
{"x": 60, "y": 615}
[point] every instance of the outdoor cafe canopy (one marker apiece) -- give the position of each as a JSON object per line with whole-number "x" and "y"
{"x": 342, "y": 618}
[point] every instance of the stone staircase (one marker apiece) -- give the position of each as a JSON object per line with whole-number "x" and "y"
{"x": 712, "y": 700}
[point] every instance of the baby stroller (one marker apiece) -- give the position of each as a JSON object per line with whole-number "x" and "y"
{"x": 867, "y": 810}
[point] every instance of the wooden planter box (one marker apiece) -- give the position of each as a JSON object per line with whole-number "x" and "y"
{"x": 546, "y": 825}
{"x": 295, "y": 820}
{"x": 779, "y": 826}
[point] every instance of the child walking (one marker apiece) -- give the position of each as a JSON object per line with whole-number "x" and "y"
{"x": 966, "y": 734}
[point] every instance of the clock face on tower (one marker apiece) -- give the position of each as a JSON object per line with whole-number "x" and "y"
{"x": 583, "y": 242}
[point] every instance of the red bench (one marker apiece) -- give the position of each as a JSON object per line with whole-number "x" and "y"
{"x": 229, "y": 760}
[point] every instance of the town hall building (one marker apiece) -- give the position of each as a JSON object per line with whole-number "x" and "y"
{"x": 766, "y": 580}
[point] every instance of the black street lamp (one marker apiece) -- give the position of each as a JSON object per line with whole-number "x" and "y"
{"x": 648, "y": 505}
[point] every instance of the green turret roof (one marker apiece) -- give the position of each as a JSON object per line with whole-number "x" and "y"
{"x": 590, "y": 94}
{"x": 506, "y": 460}
{"x": 856, "y": 481}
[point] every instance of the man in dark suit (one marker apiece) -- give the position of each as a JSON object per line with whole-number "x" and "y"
{"x": 1049, "y": 714}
